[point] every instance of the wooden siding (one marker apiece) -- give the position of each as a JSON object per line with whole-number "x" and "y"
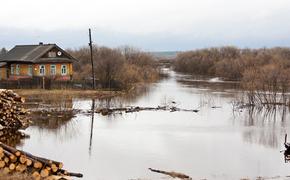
{"x": 48, "y": 68}
{"x": 24, "y": 70}
{"x": 3, "y": 73}
{"x": 55, "y": 50}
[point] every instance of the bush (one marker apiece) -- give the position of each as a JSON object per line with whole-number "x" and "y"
{"x": 115, "y": 68}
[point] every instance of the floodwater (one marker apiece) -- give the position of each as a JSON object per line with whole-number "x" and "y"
{"x": 217, "y": 142}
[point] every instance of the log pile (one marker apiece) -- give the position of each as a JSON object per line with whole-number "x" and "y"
{"x": 12, "y": 114}
{"x": 13, "y": 160}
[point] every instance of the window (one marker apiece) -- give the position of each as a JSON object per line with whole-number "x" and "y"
{"x": 29, "y": 70}
{"x": 42, "y": 70}
{"x": 12, "y": 70}
{"x": 63, "y": 70}
{"x": 52, "y": 54}
{"x": 52, "y": 69}
{"x": 17, "y": 69}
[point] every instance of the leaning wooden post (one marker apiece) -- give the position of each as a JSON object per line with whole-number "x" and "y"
{"x": 92, "y": 61}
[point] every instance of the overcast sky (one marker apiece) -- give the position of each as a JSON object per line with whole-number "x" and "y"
{"x": 148, "y": 24}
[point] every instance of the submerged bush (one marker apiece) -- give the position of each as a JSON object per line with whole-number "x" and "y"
{"x": 264, "y": 73}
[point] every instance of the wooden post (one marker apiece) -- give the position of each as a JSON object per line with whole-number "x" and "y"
{"x": 92, "y": 61}
{"x": 43, "y": 82}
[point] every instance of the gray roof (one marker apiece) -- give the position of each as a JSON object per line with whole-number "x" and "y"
{"x": 33, "y": 53}
{"x": 2, "y": 64}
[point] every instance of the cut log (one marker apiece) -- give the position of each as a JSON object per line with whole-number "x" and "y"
{"x": 28, "y": 162}
{"x": 12, "y": 166}
{"x": 172, "y": 174}
{"x": 15, "y": 160}
{"x": 54, "y": 168}
{"x": 11, "y": 156}
{"x": 6, "y": 170}
{"x": 36, "y": 175}
{"x": 2, "y": 163}
{"x": 10, "y": 149}
{"x": 6, "y": 160}
{"x": 21, "y": 168}
{"x": 37, "y": 164}
{"x": 22, "y": 159}
{"x": 44, "y": 173}
{"x": 62, "y": 171}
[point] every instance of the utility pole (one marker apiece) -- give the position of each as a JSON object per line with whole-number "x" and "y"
{"x": 92, "y": 61}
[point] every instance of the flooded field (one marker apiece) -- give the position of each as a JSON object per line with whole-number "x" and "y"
{"x": 217, "y": 142}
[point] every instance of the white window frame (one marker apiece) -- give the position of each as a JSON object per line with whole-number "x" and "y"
{"x": 30, "y": 70}
{"x": 40, "y": 70}
{"x": 52, "y": 69}
{"x": 17, "y": 69}
{"x": 64, "y": 67}
{"x": 12, "y": 69}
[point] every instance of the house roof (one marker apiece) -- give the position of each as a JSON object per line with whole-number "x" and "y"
{"x": 33, "y": 54}
{"x": 2, "y": 64}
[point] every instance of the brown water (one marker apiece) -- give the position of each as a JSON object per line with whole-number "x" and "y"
{"x": 215, "y": 143}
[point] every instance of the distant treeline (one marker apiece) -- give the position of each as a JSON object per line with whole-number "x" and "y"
{"x": 265, "y": 73}
{"x": 230, "y": 62}
{"x": 115, "y": 68}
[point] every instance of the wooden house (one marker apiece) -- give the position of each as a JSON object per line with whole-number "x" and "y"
{"x": 42, "y": 60}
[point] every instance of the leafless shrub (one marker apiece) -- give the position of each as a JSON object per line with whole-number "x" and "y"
{"x": 116, "y": 68}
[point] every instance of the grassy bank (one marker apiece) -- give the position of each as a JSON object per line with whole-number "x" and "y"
{"x": 68, "y": 93}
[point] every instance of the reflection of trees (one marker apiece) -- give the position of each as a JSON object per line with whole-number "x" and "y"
{"x": 53, "y": 114}
{"x": 263, "y": 125}
{"x": 206, "y": 84}
{"x": 49, "y": 102}
{"x": 266, "y": 137}
{"x": 127, "y": 99}
{"x": 57, "y": 123}
{"x": 51, "y": 119}
{"x": 50, "y": 112}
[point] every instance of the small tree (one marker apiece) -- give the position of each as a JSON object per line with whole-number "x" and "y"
{"x": 3, "y": 51}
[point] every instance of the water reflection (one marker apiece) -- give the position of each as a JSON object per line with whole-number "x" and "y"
{"x": 262, "y": 124}
{"x": 53, "y": 115}
{"x": 134, "y": 96}
{"x": 216, "y": 142}
{"x": 205, "y": 83}
{"x": 92, "y": 125}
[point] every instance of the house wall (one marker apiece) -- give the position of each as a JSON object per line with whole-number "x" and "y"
{"x": 3, "y": 73}
{"x": 23, "y": 72}
{"x": 58, "y": 69}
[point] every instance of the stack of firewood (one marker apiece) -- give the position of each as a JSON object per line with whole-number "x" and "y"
{"x": 13, "y": 160}
{"x": 12, "y": 114}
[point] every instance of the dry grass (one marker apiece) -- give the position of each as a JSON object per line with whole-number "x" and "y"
{"x": 68, "y": 93}
{"x": 14, "y": 176}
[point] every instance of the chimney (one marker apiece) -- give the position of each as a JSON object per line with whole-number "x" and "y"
{"x": 40, "y": 43}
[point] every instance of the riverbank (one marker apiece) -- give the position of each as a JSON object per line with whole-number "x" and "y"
{"x": 70, "y": 93}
